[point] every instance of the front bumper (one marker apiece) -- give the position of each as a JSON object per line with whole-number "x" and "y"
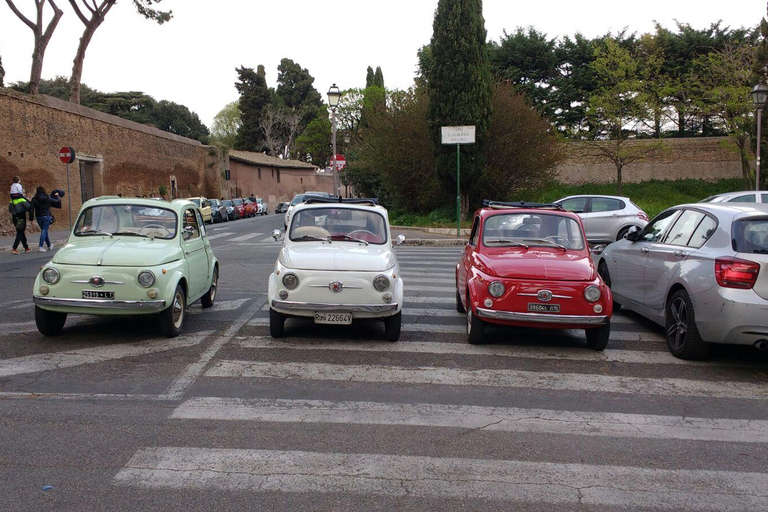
{"x": 142, "y": 305}
{"x": 542, "y": 318}
{"x": 345, "y": 308}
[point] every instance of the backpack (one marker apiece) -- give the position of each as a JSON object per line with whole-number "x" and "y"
{"x": 21, "y": 208}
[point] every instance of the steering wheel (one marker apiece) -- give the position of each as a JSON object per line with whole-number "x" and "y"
{"x": 366, "y": 235}
{"x": 154, "y": 227}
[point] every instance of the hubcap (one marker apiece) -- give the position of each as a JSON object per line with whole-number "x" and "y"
{"x": 469, "y": 321}
{"x": 679, "y": 326}
{"x": 178, "y": 310}
{"x": 214, "y": 284}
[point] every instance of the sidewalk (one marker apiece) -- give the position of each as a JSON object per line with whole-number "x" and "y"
{"x": 57, "y": 237}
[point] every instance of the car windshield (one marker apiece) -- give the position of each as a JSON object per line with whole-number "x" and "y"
{"x": 127, "y": 219}
{"x": 227, "y": 202}
{"x": 238, "y": 202}
{"x": 196, "y": 201}
{"x": 338, "y": 224}
{"x": 530, "y": 229}
{"x": 750, "y": 236}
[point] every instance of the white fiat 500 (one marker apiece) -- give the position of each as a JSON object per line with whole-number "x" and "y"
{"x": 337, "y": 264}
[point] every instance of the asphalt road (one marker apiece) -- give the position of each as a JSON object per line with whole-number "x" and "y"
{"x": 113, "y": 416}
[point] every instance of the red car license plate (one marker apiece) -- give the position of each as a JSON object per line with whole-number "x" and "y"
{"x": 543, "y": 308}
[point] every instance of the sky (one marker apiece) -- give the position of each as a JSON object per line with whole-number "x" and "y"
{"x": 191, "y": 60}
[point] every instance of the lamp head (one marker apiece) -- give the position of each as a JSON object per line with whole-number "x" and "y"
{"x": 759, "y": 95}
{"x": 334, "y": 95}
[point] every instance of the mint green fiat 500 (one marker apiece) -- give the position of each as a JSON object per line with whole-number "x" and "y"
{"x": 129, "y": 256}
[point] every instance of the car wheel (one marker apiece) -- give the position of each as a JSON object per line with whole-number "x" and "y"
{"x": 49, "y": 323}
{"x": 459, "y": 305}
{"x": 392, "y": 326}
{"x": 475, "y": 327}
{"x": 602, "y": 269}
{"x": 276, "y": 324}
{"x": 597, "y": 338}
{"x": 172, "y": 317}
{"x": 683, "y": 337}
{"x": 207, "y": 299}
{"x": 622, "y": 233}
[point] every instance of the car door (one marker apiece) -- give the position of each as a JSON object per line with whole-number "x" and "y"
{"x": 627, "y": 265}
{"x": 195, "y": 253}
{"x": 466, "y": 258}
{"x": 604, "y": 217}
{"x": 665, "y": 258}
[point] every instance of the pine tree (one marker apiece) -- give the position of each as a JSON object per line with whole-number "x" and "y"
{"x": 254, "y": 96}
{"x": 460, "y": 85}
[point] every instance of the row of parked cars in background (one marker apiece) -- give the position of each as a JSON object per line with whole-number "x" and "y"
{"x": 223, "y": 210}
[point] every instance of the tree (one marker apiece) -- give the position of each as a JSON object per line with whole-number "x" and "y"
{"x": 42, "y": 38}
{"x": 378, "y": 78}
{"x": 254, "y": 97}
{"x": 459, "y": 89}
{"x": 226, "y": 125}
{"x": 174, "y": 118}
{"x": 617, "y": 103}
{"x": 369, "y": 77}
{"x": 280, "y": 127}
{"x": 296, "y": 90}
{"x": 97, "y": 13}
{"x": 313, "y": 143}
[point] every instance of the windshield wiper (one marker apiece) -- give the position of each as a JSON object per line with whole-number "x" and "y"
{"x": 510, "y": 242}
{"x": 311, "y": 237}
{"x": 130, "y": 233}
{"x": 93, "y": 232}
{"x": 550, "y": 242}
{"x": 348, "y": 238}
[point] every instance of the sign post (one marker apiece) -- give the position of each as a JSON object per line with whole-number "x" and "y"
{"x": 67, "y": 155}
{"x": 458, "y": 135}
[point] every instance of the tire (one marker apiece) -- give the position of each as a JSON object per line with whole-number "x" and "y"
{"x": 683, "y": 337}
{"x": 207, "y": 299}
{"x": 172, "y": 317}
{"x": 276, "y": 324}
{"x": 49, "y": 323}
{"x": 459, "y": 305}
{"x": 597, "y": 338}
{"x": 602, "y": 269}
{"x": 475, "y": 327}
{"x": 392, "y": 326}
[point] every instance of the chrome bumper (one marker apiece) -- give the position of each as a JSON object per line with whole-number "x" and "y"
{"x": 144, "y": 305}
{"x": 542, "y": 317}
{"x": 346, "y": 308}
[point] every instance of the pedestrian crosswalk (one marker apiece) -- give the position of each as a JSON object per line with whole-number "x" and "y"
{"x": 529, "y": 418}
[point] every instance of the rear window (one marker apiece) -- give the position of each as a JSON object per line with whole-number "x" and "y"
{"x": 750, "y": 236}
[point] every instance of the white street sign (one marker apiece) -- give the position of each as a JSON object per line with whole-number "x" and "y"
{"x": 458, "y": 134}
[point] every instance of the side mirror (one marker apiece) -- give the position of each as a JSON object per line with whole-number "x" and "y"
{"x": 597, "y": 250}
{"x": 400, "y": 239}
{"x": 277, "y": 235}
{"x": 633, "y": 233}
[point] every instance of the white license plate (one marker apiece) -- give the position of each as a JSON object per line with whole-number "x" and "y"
{"x": 98, "y": 294}
{"x": 333, "y": 318}
{"x": 543, "y": 308}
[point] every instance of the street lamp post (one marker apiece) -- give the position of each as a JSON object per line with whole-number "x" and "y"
{"x": 334, "y": 95}
{"x": 759, "y": 95}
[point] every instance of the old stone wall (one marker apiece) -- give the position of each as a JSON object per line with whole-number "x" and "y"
{"x": 274, "y": 185}
{"x": 113, "y": 155}
{"x": 704, "y": 158}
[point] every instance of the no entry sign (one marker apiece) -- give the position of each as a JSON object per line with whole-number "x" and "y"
{"x": 67, "y": 155}
{"x": 340, "y": 162}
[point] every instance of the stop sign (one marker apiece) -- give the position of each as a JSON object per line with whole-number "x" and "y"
{"x": 341, "y": 162}
{"x": 67, "y": 155}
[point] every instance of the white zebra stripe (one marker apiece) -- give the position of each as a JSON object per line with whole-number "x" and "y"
{"x": 430, "y": 477}
{"x": 219, "y": 235}
{"x": 572, "y": 382}
{"x": 244, "y": 238}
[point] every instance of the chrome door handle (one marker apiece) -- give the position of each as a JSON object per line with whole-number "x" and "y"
{"x": 680, "y": 254}
{"x": 644, "y": 250}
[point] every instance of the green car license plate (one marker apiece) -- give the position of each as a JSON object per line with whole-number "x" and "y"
{"x": 98, "y": 294}
{"x": 543, "y": 308}
{"x": 333, "y": 318}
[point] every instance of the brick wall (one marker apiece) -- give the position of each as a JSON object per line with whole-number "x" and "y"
{"x": 119, "y": 155}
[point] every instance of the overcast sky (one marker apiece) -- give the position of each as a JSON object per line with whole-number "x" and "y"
{"x": 192, "y": 59}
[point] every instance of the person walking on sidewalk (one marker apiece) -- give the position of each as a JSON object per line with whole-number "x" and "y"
{"x": 42, "y": 203}
{"x": 20, "y": 208}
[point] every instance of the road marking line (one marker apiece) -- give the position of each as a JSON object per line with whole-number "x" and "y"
{"x": 572, "y": 382}
{"x": 194, "y": 370}
{"x": 219, "y": 235}
{"x": 449, "y": 477}
{"x": 504, "y": 419}
{"x": 19, "y": 395}
{"x": 243, "y": 238}
{"x": 226, "y": 305}
{"x": 67, "y": 359}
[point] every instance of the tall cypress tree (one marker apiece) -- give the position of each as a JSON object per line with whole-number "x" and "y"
{"x": 369, "y": 77}
{"x": 378, "y": 78}
{"x": 254, "y": 96}
{"x": 459, "y": 86}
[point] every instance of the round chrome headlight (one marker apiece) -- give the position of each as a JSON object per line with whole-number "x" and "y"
{"x": 381, "y": 283}
{"x": 496, "y": 289}
{"x": 146, "y": 278}
{"x": 51, "y": 275}
{"x": 290, "y": 281}
{"x": 592, "y": 293}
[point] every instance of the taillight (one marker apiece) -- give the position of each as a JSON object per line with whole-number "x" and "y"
{"x": 642, "y": 216}
{"x": 736, "y": 273}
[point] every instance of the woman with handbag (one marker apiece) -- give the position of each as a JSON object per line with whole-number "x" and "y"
{"x": 42, "y": 204}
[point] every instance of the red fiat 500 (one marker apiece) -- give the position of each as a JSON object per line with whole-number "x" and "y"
{"x": 529, "y": 265}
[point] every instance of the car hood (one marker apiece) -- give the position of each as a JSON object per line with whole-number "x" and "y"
{"x": 536, "y": 264}
{"x": 116, "y": 252}
{"x": 337, "y": 256}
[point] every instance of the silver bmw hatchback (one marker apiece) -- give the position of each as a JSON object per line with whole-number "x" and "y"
{"x": 701, "y": 271}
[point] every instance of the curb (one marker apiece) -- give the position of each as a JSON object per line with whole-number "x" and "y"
{"x": 436, "y": 242}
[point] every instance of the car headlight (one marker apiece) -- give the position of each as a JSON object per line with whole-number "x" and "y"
{"x": 290, "y": 281}
{"x": 592, "y": 293}
{"x": 146, "y": 278}
{"x": 51, "y": 275}
{"x": 381, "y": 283}
{"x": 496, "y": 289}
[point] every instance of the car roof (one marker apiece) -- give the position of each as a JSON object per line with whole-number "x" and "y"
{"x": 731, "y": 209}
{"x": 732, "y": 194}
{"x": 350, "y": 206}
{"x": 623, "y": 198}
{"x": 176, "y": 205}
{"x": 487, "y": 211}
